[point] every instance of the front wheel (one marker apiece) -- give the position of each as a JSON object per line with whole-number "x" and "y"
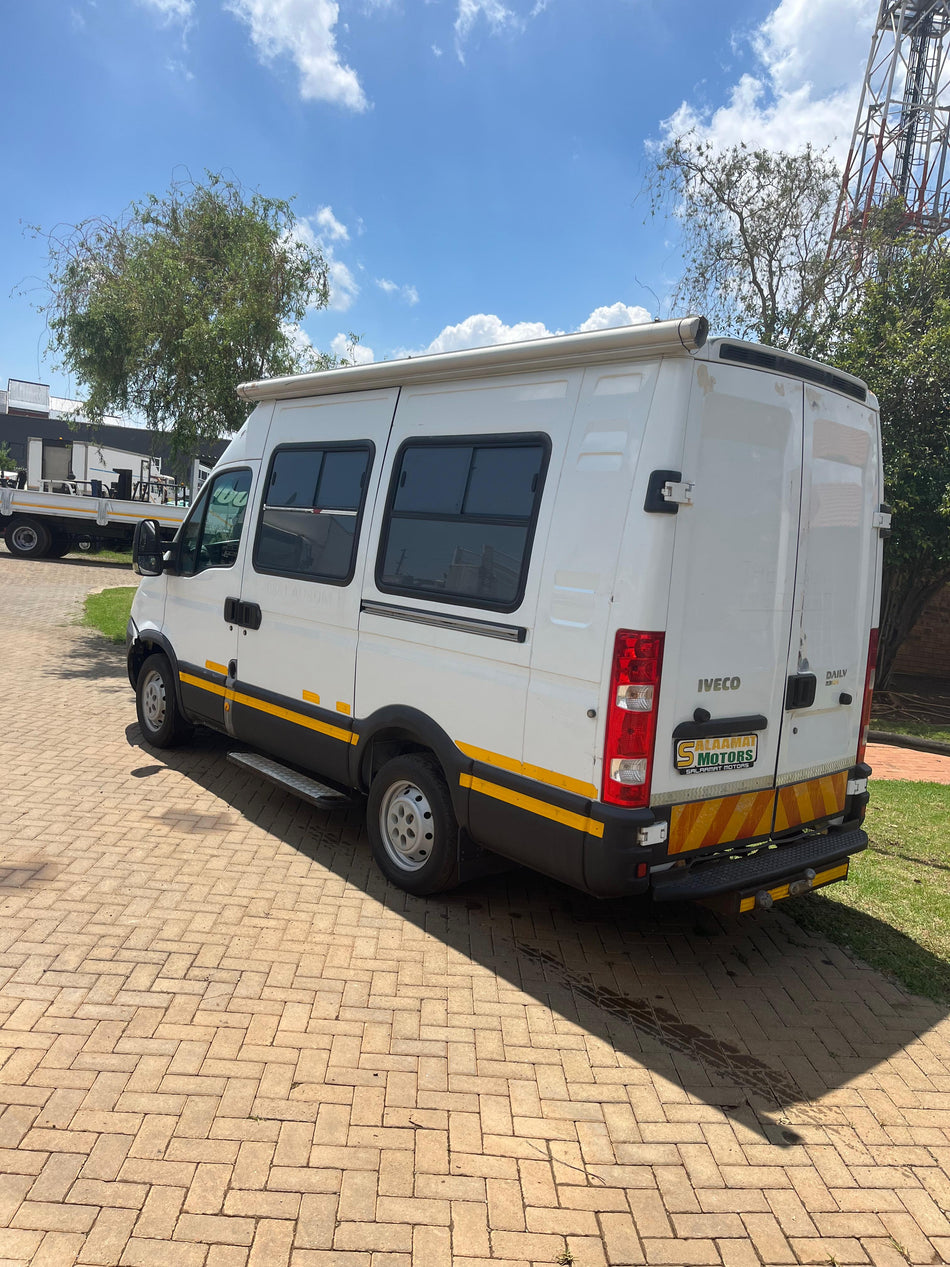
{"x": 412, "y": 826}
{"x": 28, "y": 538}
{"x": 156, "y": 704}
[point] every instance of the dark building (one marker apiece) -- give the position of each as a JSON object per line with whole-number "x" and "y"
{"x": 27, "y": 410}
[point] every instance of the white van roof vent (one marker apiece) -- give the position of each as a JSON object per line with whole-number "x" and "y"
{"x": 811, "y": 373}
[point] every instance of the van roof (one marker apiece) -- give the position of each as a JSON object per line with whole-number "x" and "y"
{"x": 679, "y": 337}
{"x": 655, "y": 338}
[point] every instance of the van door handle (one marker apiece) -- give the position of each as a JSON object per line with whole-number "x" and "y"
{"x": 719, "y": 727}
{"x": 800, "y": 691}
{"x": 245, "y": 615}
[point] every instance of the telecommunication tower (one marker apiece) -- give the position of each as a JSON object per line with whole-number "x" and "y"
{"x": 898, "y": 156}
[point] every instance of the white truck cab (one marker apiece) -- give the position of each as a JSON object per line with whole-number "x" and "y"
{"x": 602, "y": 604}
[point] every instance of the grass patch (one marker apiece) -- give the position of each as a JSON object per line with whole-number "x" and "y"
{"x": 894, "y": 909}
{"x": 109, "y": 610}
{"x": 923, "y": 730}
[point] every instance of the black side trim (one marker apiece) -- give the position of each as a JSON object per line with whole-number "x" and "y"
{"x": 765, "y": 867}
{"x": 763, "y": 360}
{"x": 465, "y": 624}
{"x": 720, "y": 727}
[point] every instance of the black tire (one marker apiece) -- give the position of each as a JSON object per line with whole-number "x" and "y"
{"x": 156, "y": 704}
{"x": 28, "y": 538}
{"x": 60, "y": 546}
{"x": 412, "y": 826}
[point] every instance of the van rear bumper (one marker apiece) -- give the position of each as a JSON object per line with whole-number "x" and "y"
{"x": 769, "y": 867}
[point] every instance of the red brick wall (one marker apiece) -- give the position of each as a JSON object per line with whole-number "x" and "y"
{"x": 926, "y": 651}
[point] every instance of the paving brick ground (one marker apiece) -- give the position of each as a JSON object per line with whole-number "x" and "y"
{"x": 904, "y": 763}
{"x": 224, "y": 1040}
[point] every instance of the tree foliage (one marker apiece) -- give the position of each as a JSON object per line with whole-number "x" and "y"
{"x": 162, "y": 312}
{"x": 897, "y": 338}
{"x": 755, "y": 226}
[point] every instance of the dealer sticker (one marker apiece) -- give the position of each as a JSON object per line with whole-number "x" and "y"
{"x": 728, "y": 752}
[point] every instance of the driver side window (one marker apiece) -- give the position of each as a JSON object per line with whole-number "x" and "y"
{"x": 211, "y": 536}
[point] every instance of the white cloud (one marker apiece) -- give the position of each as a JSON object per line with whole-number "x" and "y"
{"x": 343, "y": 285}
{"x": 319, "y": 232}
{"x": 496, "y": 15}
{"x": 331, "y": 226}
{"x": 810, "y": 57}
{"x": 617, "y": 314}
{"x": 486, "y": 330}
{"x": 171, "y": 10}
{"x": 356, "y": 353}
{"x": 304, "y": 31}
{"x": 408, "y": 293}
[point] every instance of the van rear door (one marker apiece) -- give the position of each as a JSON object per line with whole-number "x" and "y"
{"x": 722, "y": 691}
{"x": 835, "y": 602}
{"x": 771, "y": 601}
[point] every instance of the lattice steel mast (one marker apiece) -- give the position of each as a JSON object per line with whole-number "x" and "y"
{"x": 898, "y": 155}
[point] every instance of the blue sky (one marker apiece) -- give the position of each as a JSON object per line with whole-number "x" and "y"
{"x": 471, "y": 167}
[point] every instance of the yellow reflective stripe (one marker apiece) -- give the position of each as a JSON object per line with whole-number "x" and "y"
{"x": 214, "y": 687}
{"x": 529, "y": 771}
{"x": 275, "y": 710}
{"x": 776, "y": 894}
{"x": 73, "y": 510}
{"x": 310, "y": 697}
{"x": 216, "y": 668}
{"x": 533, "y": 806}
{"x": 836, "y": 873}
{"x": 131, "y": 516}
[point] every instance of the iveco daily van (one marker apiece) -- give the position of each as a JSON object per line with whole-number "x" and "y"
{"x": 603, "y": 604}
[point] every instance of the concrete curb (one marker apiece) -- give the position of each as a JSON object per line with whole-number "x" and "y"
{"x": 909, "y": 741}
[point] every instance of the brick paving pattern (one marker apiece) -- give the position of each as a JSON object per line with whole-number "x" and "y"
{"x": 225, "y": 1040}
{"x": 904, "y": 763}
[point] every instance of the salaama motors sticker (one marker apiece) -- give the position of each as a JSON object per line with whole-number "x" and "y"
{"x": 727, "y": 752}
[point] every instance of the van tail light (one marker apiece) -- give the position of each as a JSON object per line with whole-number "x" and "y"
{"x": 868, "y": 694}
{"x": 631, "y": 718}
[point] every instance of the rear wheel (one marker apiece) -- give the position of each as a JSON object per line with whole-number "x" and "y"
{"x": 28, "y": 539}
{"x": 60, "y": 546}
{"x": 156, "y": 704}
{"x": 412, "y": 826}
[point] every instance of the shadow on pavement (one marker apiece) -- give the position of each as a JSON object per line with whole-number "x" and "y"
{"x": 753, "y": 1016}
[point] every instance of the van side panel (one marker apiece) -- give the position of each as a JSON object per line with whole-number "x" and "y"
{"x": 440, "y": 662}
{"x": 296, "y": 671}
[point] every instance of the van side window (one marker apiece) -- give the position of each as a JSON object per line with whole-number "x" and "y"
{"x": 460, "y": 519}
{"x": 310, "y": 513}
{"x": 211, "y": 536}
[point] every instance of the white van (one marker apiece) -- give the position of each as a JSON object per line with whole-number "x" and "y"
{"x": 602, "y": 604}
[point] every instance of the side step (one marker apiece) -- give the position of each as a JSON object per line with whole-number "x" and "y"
{"x": 300, "y": 784}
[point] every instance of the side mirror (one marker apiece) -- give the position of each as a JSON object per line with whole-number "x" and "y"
{"x": 147, "y": 550}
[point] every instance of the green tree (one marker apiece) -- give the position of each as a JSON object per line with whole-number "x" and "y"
{"x": 897, "y": 338}
{"x": 6, "y": 457}
{"x": 164, "y": 311}
{"x": 754, "y": 230}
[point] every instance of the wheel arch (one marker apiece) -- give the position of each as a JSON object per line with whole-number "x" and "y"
{"x": 147, "y": 642}
{"x": 398, "y": 731}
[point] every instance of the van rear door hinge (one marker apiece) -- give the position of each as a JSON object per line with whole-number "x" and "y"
{"x": 881, "y": 520}
{"x": 680, "y": 493}
{"x": 666, "y": 492}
